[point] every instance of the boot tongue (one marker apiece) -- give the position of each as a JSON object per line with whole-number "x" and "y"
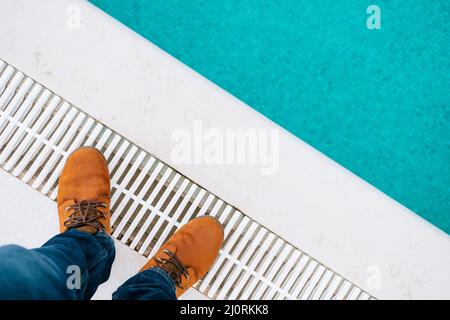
{"x": 172, "y": 270}
{"x": 87, "y": 229}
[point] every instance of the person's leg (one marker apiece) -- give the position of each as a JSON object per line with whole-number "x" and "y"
{"x": 71, "y": 265}
{"x": 83, "y": 247}
{"x": 152, "y": 284}
{"x": 184, "y": 259}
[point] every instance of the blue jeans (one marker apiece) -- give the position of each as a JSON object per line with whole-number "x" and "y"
{"x": 72, "y": 265}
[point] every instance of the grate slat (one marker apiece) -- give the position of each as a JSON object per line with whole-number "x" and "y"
{"x": 5, "y": 76}
{"x": 343, "y": 291}
{"x": 24, "y": 108}
{"x": 322, "y": 285}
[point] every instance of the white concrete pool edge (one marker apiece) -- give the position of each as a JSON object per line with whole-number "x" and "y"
{"x": 144, "y": 94}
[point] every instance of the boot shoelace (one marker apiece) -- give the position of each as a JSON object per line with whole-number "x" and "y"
{"x": 173, "y": 267}
{"x": 86, "y": 213}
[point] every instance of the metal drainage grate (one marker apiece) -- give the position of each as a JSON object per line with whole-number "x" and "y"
{"x": 150, "y": 200}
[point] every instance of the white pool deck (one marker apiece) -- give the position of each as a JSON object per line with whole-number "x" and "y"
{"x": 144, "y": 94}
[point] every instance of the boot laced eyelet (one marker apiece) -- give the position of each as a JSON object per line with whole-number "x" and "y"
{"x": 86, "y": 213}
{"x": 173, "y": 267}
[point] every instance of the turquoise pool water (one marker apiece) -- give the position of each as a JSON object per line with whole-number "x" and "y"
{"x": 376, "y": 101}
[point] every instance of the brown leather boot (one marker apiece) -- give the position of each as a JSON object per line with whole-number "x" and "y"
{"x": 190, "y": 252}
{"x": 84, "y": 191}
